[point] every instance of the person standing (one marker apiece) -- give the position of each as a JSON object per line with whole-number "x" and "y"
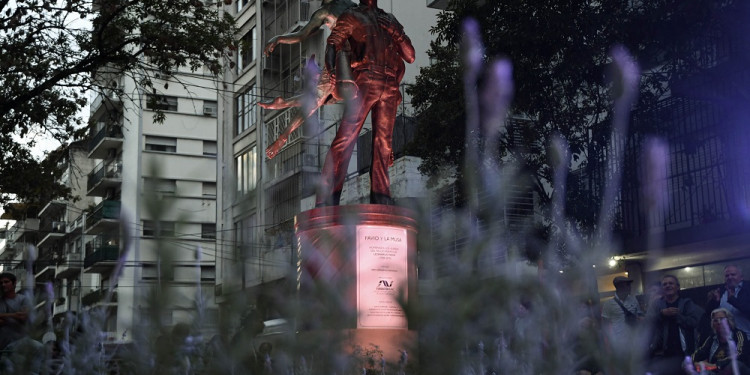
{"x": 622, "y": 313}
{"x": 674, "y": 321}
{"x": 379, "y": 48}
{"x": 732, "y": 297}
{"x": 14, "y": 312}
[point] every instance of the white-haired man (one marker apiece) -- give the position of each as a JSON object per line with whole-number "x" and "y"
{"x": 732, "y": 297}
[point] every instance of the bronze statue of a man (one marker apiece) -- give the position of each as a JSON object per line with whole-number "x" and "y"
{"x": 326, "y": 15}
{"x": 378, "y": 48}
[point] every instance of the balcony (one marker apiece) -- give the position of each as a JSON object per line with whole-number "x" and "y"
{"x": 45, "y": 265}
{"x": 99, "y": 298}
{"x": 101, "y": 259}
{"x": 53, "y": 208}
{"x": 295, "y": 156}
{"x": 104, "y": 218}
{"x": 105, "y": 176}
{"x": 108, "y": 136}
{"x": 437, "y": 4}
{"x": 107, "y": 100}
{"x": 70, "y": 266}
{"x": 61, "y": 307}
{"x": 8, "y": 252}
{"x": 55, "y": 232}
{"x": 24, "y": 231}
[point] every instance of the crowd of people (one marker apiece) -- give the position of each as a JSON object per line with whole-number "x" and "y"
{"x": 671, "y": 327}
{"x": 668, "y": 326}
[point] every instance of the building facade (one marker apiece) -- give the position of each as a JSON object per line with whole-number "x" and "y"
{"x": 156, "y": 222}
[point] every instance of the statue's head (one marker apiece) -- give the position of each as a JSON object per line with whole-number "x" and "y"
{"x": 369, "y": 3}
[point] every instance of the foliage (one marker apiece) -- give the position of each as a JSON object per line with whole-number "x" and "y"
{"x": 33, "y": 182}
{"x": 559, "y": 51}
{"x": 51, "y": 53}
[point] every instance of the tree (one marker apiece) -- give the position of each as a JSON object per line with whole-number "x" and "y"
{"x": 559, "y": 50}
{"x": 51, "y": 52}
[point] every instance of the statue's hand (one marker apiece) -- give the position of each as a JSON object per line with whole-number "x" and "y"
{"x": 386, "y": 22}
{"x": 270, "y": 46}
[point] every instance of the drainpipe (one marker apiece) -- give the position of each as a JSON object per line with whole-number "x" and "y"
{"x": 83, "y": 258}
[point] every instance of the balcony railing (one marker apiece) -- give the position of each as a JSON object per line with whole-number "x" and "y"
{"x": 107, "y": 210}
{"x": 105, "y": 253}
{"x": 71, "y": 264}
{"x": 105, "y": 100}
{"x": 107, "y": 131}
{"x": 109, "y": 173}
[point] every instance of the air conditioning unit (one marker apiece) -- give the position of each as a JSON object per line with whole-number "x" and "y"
{"x": 210, "y": 111}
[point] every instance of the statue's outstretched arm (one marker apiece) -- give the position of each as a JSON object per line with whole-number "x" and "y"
{"x": 316, "y": 21}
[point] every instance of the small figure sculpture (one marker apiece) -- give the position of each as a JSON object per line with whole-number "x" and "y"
{"x": 379, "y": 48}
{"x": 326, "y": 15}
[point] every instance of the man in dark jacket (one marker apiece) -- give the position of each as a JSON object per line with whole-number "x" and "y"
{"x": 732, "y": 297}
{"x": 674, "y": 321}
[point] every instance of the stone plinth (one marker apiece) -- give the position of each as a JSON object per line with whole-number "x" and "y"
{"x": 355, "y": 263}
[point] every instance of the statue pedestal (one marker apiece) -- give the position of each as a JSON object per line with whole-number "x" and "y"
{"x": 355, "y": 263}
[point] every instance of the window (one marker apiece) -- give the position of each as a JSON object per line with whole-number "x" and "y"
{"x": 247, "y": 175}
{"x": 149, "y": 272}
{"x": 208, "y": 273}
{"x": 161, "y": 102}
{"x": 158, "y": 228}
{"x": 247, "y": 50}
{"x": 160, "y": 185}
{"x": 245, "y": 109}
{"x": 210, "y": 108}
{"x": 208, "y": 231}
{"x": 241, "y": 4}
{"x": 209, "y": 148}
{"x": 209, "y": 189}
{"x": 244, "y": 237}
{"x": 161, "y": 144}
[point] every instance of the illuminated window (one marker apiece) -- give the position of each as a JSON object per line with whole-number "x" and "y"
{"x": 247, "y": 174}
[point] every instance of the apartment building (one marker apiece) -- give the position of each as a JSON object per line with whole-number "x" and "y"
{"x": 157, "y": 184}
{"x": 45, "y": 252}
{"x": 62, "y": 241}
